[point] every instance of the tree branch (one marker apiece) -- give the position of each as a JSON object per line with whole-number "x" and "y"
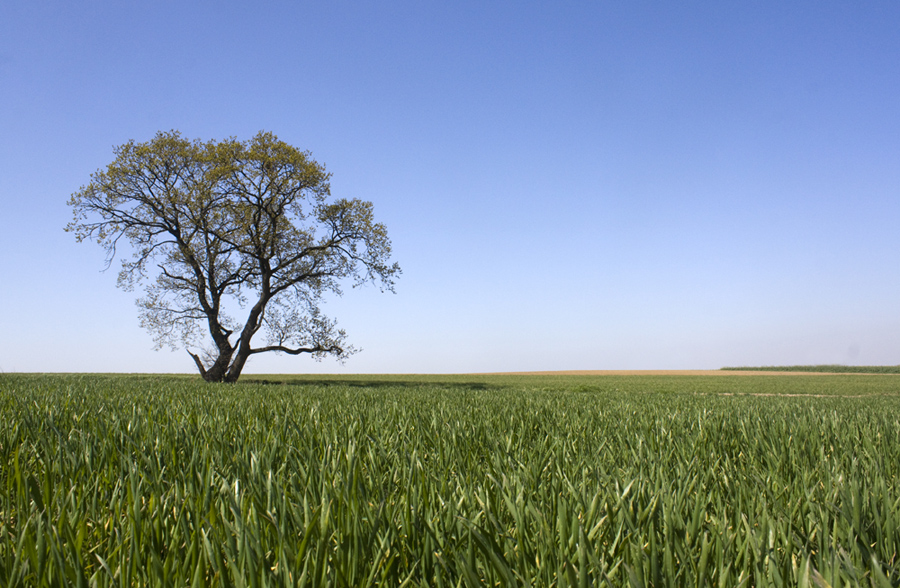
{"x": 199, "y": 364}
{"x": 298, "y": 351}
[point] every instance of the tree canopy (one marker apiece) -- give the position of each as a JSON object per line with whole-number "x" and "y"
{"x": 218, "y": 226}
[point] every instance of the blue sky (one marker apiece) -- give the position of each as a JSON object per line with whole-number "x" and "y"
{"x": 568, "y": 185}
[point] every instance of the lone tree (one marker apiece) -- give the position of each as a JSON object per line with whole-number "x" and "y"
{"x": 230, "y": 225}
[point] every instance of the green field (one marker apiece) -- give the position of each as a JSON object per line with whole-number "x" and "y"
{"x": 450, "y": 481}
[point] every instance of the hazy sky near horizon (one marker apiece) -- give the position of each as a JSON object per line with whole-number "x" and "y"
{"x": 567, "y": 185}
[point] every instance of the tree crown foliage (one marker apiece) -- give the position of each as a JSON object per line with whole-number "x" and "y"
{"x": 212, "y": 223}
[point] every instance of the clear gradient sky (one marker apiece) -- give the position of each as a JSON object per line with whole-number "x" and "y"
{"x": 568, "y": 185}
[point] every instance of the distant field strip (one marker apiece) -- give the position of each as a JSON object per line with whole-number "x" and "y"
{"x": 833, "y": 369}
{"x": 762, "y": 371}
{"x": 462, "y": 480}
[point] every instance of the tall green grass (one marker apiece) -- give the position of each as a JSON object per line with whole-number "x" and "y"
{"x": 454, "y": 481}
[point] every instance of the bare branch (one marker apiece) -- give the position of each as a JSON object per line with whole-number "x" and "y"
{"x": 199, "y": 363}
{"x": 317, "y": 349}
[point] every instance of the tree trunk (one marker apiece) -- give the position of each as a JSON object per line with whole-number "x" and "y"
{"x": 219, "y": 370}
{"x": 250, "y": 328}
{"x": 234, "y": 372}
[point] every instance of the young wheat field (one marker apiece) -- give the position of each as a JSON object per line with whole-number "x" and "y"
{"x": 765, "y": 480}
